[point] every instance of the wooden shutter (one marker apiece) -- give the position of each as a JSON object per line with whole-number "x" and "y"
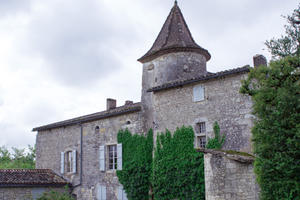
{"x": 74, "y": 161}
{"x": 102, "y": 158}
{"x": 119, "y": 156}
{"x": 120, "y": 193}
{"x": 101, "y": 192}
{"x": 198, "y": 93}
{"x": 62, "y": 162}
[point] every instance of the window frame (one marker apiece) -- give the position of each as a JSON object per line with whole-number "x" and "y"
{"x": 114, "y": 164}
{"x": 200, "y": 134}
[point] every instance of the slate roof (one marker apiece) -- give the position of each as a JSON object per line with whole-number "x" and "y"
{"x": 174, "y": 36}
{"x": 208, "y": 76}
{"x": 30, "y": 178}
{"x": 92, "y": 117}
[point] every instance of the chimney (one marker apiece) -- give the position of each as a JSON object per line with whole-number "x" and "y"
{"x": 128, "y": 103}
{"x": 259, "y": 60}
{"x": 111, "y": 104}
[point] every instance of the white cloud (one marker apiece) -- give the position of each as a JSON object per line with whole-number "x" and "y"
{"x": 62, "y": 59}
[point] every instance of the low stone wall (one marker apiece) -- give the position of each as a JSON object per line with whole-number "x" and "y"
{"x": 25, "y": 193}
{"x": 229, "y": 176}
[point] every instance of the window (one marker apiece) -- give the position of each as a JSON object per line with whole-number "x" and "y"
{"x": 112, "y": 157}
{"x": 200, "y": 127}
{"x": 198, "y": 93}
{"x": 200, "y": 133}
{"x": 201, "y": 141}
{"x": 97, "y": 129}
{"x": 68, "y": 162}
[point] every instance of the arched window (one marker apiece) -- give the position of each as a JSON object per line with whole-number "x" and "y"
{"x": 97, "y": 130}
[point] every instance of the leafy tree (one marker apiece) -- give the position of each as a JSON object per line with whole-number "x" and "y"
{"x": 18, "y": 159}
{"x": 137, "y": 164}
{"x": 218, "y": 141}
{"x": 275, "y": 91}
{"x": 288, "y": 45}
{"x": 178, "y": 170}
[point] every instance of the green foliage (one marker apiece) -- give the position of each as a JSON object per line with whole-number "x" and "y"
{"x": 137, "y": 164}
{"x": 275, "y": 91}
{"x": 288, "y": 45}
{"x": 178, "y": 170}
{"x": 57, "y": 195}
{"x": 18, "y": 159}
{"x": 218, "y": 141}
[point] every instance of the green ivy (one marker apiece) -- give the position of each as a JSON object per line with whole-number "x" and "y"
{"x": 178, "y": 170}
{"x": 275, "y": 91}
{"x": 218, "y": 141}
{"x": 137, "y": 164}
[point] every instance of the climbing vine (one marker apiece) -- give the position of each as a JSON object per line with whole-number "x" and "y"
{"x": 218, "y": 141}
{"x": 178, "y": 170}
{"x": 137, "y": 164}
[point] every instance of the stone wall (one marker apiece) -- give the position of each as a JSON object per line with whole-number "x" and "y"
{"x": 228, "y": 179}
{"x": 222, "y": 103}
{"x": 50, "y": 143}
{"x": 168, "y": 67}
{"x": 25, "y": 193}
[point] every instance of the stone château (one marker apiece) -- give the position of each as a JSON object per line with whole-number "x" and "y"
{"x": 177, "y": 89}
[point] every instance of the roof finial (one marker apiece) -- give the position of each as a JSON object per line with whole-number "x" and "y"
{"x": 175, "y": 3}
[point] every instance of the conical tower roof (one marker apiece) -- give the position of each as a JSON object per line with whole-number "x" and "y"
{"x": 174, "y": 36}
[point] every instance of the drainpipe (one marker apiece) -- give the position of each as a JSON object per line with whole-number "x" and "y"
{"x": 81, "y": 138}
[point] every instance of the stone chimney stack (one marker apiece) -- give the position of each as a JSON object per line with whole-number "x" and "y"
{"x": 111, "y": 104}
{"x": 259, "y": 60}
{"x": 128, "y": 103}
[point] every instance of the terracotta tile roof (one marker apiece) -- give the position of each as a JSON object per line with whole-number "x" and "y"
{"x": 30, "y": 177}
{"x": 174, "y": 36}
{"x": 92, "y": 117}
{"x": 208, "y": 76}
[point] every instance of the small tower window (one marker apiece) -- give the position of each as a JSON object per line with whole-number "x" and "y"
{"x": 128, "y": 122}
{"x": 97, "y": 129}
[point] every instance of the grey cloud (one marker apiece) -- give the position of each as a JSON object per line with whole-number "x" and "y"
{"x": 12, "y": 7}
{"x": 77, "y": 40}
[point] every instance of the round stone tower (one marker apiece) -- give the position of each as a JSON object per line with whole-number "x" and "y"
{"x": 173, "y": 56}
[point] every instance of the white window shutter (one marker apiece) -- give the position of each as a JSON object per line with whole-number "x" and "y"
{"x": 74, "y": 161}
{"x": 103, "y": 193}
{"x": 198, "y": 93}
{"x": 102, "y": 158}
{"x": 62, "y": 162}
{"x": 119, "y": 156}
{"x": 124, "y": 195}
{"x": 120, "y": 193}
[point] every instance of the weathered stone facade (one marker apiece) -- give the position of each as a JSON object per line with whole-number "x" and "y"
{"x": 25, "y": 193}
{"x": 177, "y": 90}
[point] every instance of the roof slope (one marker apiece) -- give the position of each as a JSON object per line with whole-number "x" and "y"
{"x": 95, "y": 116}
{"x": 30, "y": 177}
{"x": 174, "y": 36}
{"x": 208, "y": 76}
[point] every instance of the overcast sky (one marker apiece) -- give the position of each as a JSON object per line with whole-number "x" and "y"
{"x": 62, "y": 58}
